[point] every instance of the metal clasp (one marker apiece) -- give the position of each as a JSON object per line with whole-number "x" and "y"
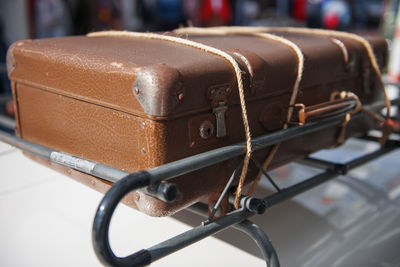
{"x": 299, "y": 114}
{"x": 220, "y": 118}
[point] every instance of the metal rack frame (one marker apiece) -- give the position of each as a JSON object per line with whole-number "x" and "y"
{"x": 153, "y": 182}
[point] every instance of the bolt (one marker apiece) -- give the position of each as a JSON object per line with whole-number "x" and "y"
{"x": 136, "y": 90}
{"x": 168, "y": 191}
{"x": 256, "y": 205}
{"x": 340, "y": 168}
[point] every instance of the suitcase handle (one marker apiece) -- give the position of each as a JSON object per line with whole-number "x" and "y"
{"x": 324, "y": 110}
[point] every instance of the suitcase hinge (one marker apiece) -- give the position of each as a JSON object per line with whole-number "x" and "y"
{"x": 219, "y": 112}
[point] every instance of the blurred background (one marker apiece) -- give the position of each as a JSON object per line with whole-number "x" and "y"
{"x": 23, "y": 19}
{"x": 341, "y": 207}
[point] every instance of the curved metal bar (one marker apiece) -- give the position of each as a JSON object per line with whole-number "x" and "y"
{"x": 173, "y": 169}
{"x": 102, "y": 220}
{"x": 198, "y": 233}
{"x": 143, "y": 257}
{"x": 135, "y": 181}
{"x": 155, "y": 175}
{"x": 251, "y": 229}
{"x": 262, "y": 240}
{"x": 145, "y": 178}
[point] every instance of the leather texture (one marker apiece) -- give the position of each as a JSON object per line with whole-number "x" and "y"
{"x": 135, "y": 104}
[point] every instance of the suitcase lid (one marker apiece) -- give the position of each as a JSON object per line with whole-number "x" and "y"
{"x": 164, "y": 80}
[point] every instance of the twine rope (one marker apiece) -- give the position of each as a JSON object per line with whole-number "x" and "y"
{"x": 329, "y": 33}
{"x": 207, "y": 49}
{"x": 318, "y": 32}
{"x": 386, "y": 129}
{"x": 342, "y": 48}
{"x": 300, "y": 68}
{"x": 347, "y": 117}
{"x": 357, "y": 108}
{"x": 264, "y": 33}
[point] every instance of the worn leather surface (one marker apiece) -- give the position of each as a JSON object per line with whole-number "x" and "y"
{"x": 78, "y": 95}
{"x": 102, "y": 70}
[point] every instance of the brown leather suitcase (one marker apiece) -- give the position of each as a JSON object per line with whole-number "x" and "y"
{"x": 135, "y": 103}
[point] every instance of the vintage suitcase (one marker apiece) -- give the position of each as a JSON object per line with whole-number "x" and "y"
{"x": 135, "y": 103}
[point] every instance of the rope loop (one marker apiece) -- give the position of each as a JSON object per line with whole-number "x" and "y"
{"x": 386, "y": 127}
{"x": 347, "y": 94}
{"x": 268, "y": 36}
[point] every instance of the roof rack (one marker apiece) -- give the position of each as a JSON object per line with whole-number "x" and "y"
{"x": 153, "y": 182}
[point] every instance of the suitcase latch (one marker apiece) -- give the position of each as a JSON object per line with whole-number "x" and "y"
{"x": 219, "y": 112}
{"x": 219, "y": 99}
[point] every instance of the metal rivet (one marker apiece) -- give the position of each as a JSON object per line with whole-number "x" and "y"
{"x": 136, "y": 90}
{"x": 143, "y": 150}
{"x": 137, "y": 196}
{"x": 143, "y": 124}
{"x": 180, "y": 96}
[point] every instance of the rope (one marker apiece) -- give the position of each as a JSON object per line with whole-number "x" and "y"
{"x": 346, "y": 94}
{"x": 342, "y": 132}
{"x": 386, "y": 129}
{"x": 264, "y": 33}
{"x": 359, "y": 107}
{"x": 300, "y": 68}
{"x": 262, "y": 30}
{"x": 244, "y": 31}
{"x": 343, "y": 48}
{"x": 207, "y": 49}
{"x": 329, "y": 33}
